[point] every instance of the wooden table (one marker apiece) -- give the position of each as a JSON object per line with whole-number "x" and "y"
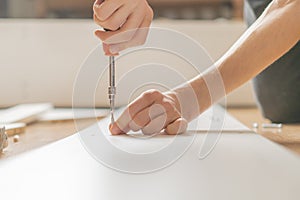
{"x": 288, "y": 136}
{"x": 40, "y": 134}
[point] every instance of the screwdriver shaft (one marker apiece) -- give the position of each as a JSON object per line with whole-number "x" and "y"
{"x": 112, "y": 87}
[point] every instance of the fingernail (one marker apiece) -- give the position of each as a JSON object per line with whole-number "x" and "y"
{"x": 97, "y": 3}
{"x": 114, "y": 49}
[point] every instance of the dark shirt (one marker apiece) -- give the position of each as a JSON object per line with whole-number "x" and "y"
{"x": 277, "y": 88}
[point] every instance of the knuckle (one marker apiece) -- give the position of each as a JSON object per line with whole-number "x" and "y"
{"x": 146, "y": 95}
{"x": 130, "y": 109}
{"x": 96, "y": 20}
{"x": 98, "y": 16}
{"x": 134, "y": 5}
{"x": 101, "y": 15}
{"x": 150, "y": 13}
{"x": 168, "y": 105}
{"x": 151, "y": 94}
{"x": 156, "y": 93}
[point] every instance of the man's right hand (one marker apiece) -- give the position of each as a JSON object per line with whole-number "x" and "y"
{"x": 128, "y": 21}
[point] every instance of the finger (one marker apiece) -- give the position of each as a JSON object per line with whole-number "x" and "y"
{"x": 177, "y": 127}
{"x": 138, "y": 39}
{"x": 142, "y": 102}
{"x": 97, "y": 21}
{"x": 106, "y": 50}
{"x": 98, "y": 2}
{"x": 117, "y": 19}
{"x": 104, "y": 9}
{"x": 115, "y": 130}
{"x": 159, "y": 123}
{"x": 126, "y": 32}
{"x": 144, "y": 117}
{"x": 155, "y": 126}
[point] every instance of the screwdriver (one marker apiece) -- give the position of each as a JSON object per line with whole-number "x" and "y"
{"x": 111, "y": 86}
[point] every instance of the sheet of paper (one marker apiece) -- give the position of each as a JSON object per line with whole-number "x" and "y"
{"x": 242, "y": 166}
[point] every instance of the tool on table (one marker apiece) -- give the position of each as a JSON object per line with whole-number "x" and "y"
{"x": 268, "y": 125}
{"x": 272, "y": 125}
{"x": 3, "y": 139}
{"x": 14, "y": 128}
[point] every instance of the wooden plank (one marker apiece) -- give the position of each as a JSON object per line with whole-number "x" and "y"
{"x": 288, "y": 136}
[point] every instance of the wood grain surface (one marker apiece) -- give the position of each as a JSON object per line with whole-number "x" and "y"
{"x": 288, "y": 136}
{"x": 40, "y": 134}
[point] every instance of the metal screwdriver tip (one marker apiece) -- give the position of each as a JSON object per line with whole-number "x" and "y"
{"x": 112, "y": 118}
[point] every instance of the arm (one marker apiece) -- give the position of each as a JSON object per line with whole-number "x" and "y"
{"x": 274, "y": 33}
{"x": 270, "y": 37}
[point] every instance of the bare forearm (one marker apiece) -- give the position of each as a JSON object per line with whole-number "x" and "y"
{"x": 270, "y": 37}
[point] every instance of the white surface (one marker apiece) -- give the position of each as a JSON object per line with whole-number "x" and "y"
{"x": 242, "y": 166}
{"x": 25, "y": 113}
{"x": 161, "y": 150}
{"x": 58, "y": 114}
{"x": 40, "y": 58}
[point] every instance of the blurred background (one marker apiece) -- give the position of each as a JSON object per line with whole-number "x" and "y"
{"x": 174, "y": 9}
{"x": 43, "y": 40}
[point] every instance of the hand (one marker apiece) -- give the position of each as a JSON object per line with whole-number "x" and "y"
{"x": 151, "y": 113}
{"x": 128, "y": 21}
